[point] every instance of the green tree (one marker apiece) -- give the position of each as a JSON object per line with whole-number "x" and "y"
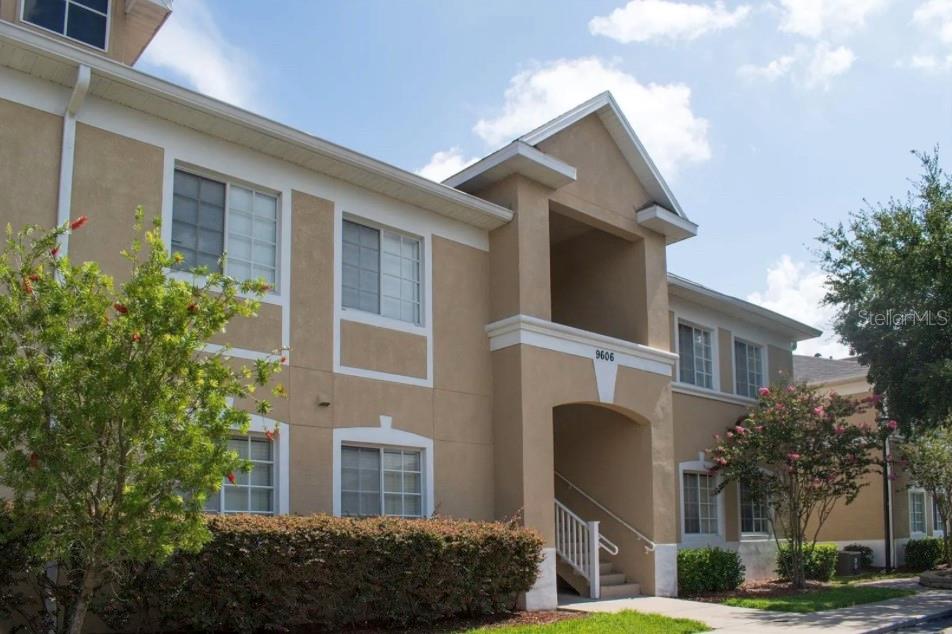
{"x": 889, "y": 274}
{"x": 113, "y": 420}
{"x": 927, "y": 458}
{"x": 796, "y": 452}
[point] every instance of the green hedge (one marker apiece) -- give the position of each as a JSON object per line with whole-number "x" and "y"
{"x": 706, "y": 570}
{"x": 865, "y": 554}
{"x": 819, "y": 561}
{"x": 923, "y": 554}
{"x": 284, "y": 572}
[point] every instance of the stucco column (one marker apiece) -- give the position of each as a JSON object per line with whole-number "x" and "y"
{"x": 523, "y": 459}
{"x": 663, "y": 492}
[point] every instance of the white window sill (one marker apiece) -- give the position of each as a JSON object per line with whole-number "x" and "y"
{"x": 729, "y": 397}
{"x": 373, "y": 319}
{"x": 755, "y": 537}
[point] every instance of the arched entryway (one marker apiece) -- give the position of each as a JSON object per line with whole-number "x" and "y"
{"x": 603, "y": 473}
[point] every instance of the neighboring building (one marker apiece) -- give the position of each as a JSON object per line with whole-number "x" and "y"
{"x": 911, "y": 510}
{"x": 507, "y": 342}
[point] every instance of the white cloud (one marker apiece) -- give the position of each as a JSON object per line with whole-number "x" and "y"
{"x": 661, "y": 114}
{"x": 644, "y": 20}
{"x": 935, "y": 16}
{"x": 826, "y": 63}
{"x": 444, "y": 164}
{"x": 796, "y": 290}
{"x": 927, "y": 63}
{"x": 191, "y": 46}
{"x": 811, "y": 67}
{"x": 819, "y": 18}
{"x": 770, "y": 72}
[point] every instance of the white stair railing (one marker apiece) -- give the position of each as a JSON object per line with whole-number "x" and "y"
{"x": 650, "y": 545}
{"x": 578, "y": 543}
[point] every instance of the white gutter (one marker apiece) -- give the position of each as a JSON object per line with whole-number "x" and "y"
{"x": 68, "y": 155}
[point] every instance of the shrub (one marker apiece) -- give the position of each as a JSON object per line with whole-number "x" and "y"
{"x": 330, "y": 572}
{"x": 865, "y": 552}
{"x": 819, "y": 562}
{"x": 923, "y": 554}
{"x": 704, "y": 570}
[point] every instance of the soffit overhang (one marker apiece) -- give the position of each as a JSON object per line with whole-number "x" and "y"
{"x": 56, "y": 61}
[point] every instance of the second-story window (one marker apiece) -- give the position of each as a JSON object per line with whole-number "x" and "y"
{"x": 696, "y": 359}
{"x": 83, "y": 20}
{"x": 748, "y": 368}
{"x": 381, "y": 272}
{"x": 212, "y": 217}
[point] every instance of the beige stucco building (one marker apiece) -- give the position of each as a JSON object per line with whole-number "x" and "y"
{"x": 506, "y": 343}
{"x": 889, "y": 511}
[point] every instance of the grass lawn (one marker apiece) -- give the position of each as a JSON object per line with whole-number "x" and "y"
{"x": 620, "y": 622}
{"x": 823, "y": 599}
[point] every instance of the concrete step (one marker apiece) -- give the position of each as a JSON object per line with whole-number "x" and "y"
{"x": 621, "y": 591}
{"x": 613, "y": 579}
{"x": 606, "y": 567}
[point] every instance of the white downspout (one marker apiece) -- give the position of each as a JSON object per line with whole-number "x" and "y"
{"x": 892, "y": 525}
{"x": 67, "y": 157}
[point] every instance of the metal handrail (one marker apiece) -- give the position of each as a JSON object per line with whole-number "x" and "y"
{"x": 651, "y": 545}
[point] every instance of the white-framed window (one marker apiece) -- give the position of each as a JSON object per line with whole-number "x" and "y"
{"x": 381, "y": 272}
{"x": 212, "y": 217}
{"x": 696, "y": 358}
{"x": 253, "y": 491}
{"x": 85, "y": 21}
{"x": 700, "y": 504}
{"x": 753, "y": 513}
{"x": 381, "y": 481}
{"x": 938, "y": 527}
{"x": 382, "y": 471}
{"x": 748, "y": 368}
{"x": 917, "y": 512}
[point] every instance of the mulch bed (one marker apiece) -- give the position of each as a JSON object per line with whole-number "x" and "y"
{"x": 761, "y": 590}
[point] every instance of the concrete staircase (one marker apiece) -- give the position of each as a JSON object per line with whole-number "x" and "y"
{"x": 614, "y": 584}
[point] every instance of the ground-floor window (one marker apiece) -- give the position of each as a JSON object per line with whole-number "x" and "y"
{"x": 753, "y": 512}
{"x": 917, "y": 512}
{"x": 381, "y": 481}
{"x": 252, "y": 491}
{"x": 700, "y": 504}
{"x": 938, "y": 526}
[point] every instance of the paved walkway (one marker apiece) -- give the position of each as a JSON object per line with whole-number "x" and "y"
{"x": 869, "y": 618}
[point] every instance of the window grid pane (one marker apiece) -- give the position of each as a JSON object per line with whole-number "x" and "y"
{"x": 696, "y": 357}
{"x": 82, "y": 20}
{"x": 198, "y": 220}
{"x": 937, "y": 524}
{"x": 252, "y": 234}
{"x": 253, "y": 492}
{"x": 360, "y": 481}
{"x": 700, "y": 504}
{"x": 748, "y": 373}
{"x": 753, "y": 512}
{"x": 917, "y": 512}
{"x": 381, "y": 272}
{"x": 403, "y": 479}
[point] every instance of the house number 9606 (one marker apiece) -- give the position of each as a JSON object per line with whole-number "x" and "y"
{"x": 604, "y": 355}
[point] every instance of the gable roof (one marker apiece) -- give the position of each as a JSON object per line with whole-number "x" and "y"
{"x": 822, "y": 370}
{"x": 741, "y": 309}
{"x": 614, "y": 120}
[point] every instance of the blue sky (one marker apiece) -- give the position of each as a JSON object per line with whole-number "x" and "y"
{"x": 766, "y": 118}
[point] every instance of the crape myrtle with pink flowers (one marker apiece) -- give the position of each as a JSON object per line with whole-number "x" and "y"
{"x": 797, "y": 452}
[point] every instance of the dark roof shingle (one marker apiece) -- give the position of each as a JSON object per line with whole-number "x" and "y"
{"x": 820, "y": 370}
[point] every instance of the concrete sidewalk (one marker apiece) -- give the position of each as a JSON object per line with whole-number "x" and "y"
{"x": 883, "y": 616}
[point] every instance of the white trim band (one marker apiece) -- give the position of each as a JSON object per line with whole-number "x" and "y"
{"x": 532, "y": 331}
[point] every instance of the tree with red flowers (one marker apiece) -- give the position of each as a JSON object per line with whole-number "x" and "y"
{"x": 114, "y": 419}
{"x": 797, "y": 452}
